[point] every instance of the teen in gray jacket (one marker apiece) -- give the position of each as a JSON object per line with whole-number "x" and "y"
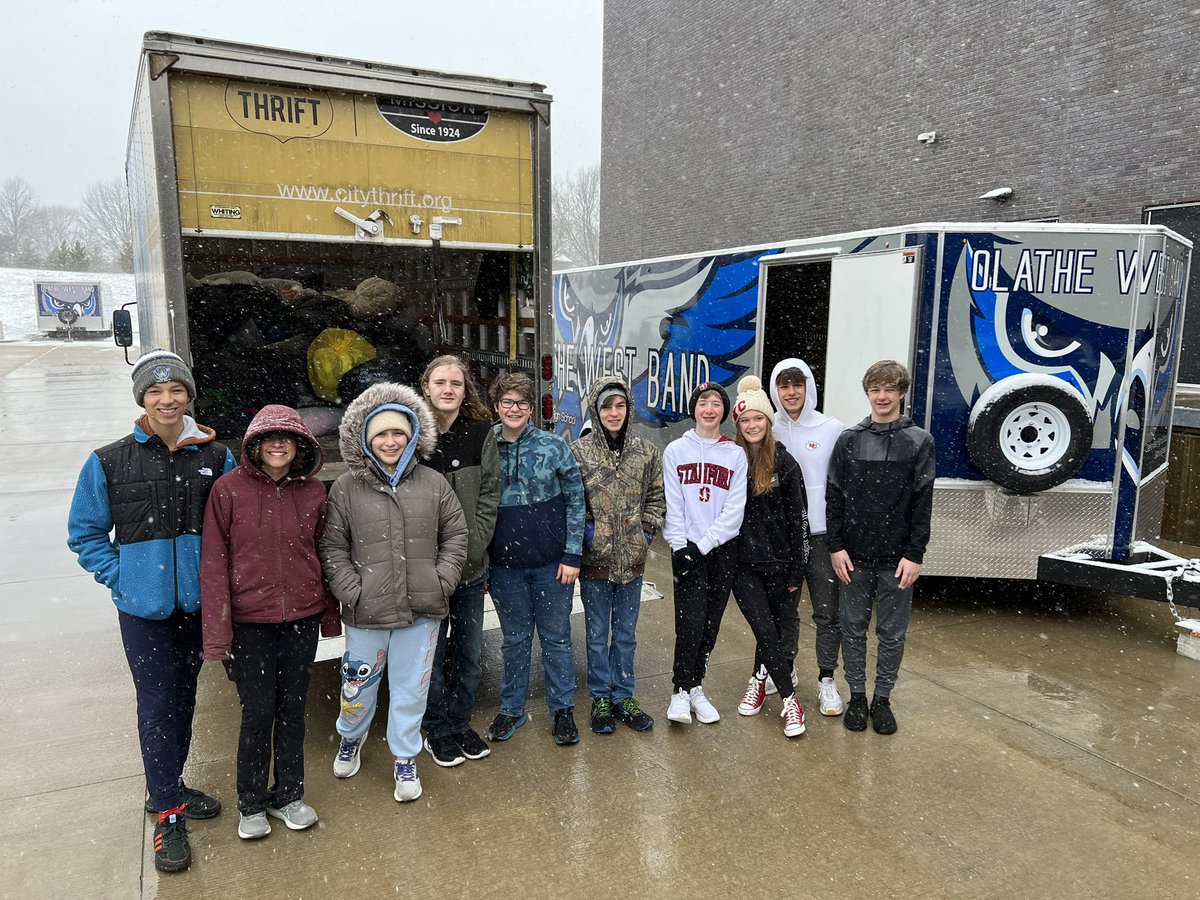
{"x": 394, "y": 547}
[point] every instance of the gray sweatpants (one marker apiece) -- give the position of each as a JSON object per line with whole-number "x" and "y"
{"x": 823, "y": 592}
{"x": 876, "y": 586}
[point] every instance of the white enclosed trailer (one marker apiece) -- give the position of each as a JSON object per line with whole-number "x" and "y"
{"x": 1043, "y": 359}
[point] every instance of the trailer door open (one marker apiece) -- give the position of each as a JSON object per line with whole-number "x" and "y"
{"x": 872, "y": 316}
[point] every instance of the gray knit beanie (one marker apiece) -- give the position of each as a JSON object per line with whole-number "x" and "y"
{"x": 158, "y": 367}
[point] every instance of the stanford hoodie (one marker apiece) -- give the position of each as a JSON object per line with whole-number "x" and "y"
{"x": 705, "y": 483}
{"x": 809, "y": 439}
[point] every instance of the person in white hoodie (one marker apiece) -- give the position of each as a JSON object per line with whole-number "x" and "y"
{"x": 704, "y": 477}
{"x": 809, "y": 437}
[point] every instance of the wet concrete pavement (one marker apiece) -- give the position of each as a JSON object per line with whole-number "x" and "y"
{"x": 1048, "y": 744}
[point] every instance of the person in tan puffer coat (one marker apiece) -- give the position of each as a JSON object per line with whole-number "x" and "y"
{"x": 393, "y": 551}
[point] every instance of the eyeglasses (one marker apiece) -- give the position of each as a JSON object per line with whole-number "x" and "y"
{"x": 277, "y": 436}
{"x": 509, "y": 403}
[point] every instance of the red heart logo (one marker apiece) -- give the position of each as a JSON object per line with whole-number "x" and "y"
{"x": 435, "y": 118}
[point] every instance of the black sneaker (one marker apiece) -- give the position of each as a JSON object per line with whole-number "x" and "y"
{"x": 631, "y": 714}
{"x": 857, "y": 711}
{"x": 882, "y": 719}
{"x": 602, "y": 716}
{"x": 196, "y": 804}
{"x": 445, "y": 751}
{"x": 503, "y": 726}
{"x": 171, "y": 850}
{"x": 565, "y": 731}
{"x": 471, "y": 744}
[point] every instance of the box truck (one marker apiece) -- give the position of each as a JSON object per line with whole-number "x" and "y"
{"x": 307, "y": 225}
{"x": 1043, "y": 358}
{"x": 297, "y": 216}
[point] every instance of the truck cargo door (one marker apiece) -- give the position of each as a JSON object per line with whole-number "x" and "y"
{"x": 872, "y": 316}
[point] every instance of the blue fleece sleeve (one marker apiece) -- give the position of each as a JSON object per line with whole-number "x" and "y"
{"x": 571, "y": 483}
{"x": 230, "y": 462}
{"x": 90, "y": 523}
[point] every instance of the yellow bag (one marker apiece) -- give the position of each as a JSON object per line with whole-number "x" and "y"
{"x": 333, "y": 353}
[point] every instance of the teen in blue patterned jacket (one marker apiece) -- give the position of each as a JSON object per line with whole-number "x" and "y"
{"x": 536, "y": 554}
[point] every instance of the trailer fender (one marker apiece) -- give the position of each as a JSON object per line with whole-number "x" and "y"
{"x": 1029, "y": 432}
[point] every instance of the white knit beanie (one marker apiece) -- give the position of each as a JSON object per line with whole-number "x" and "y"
{"x": 751, "y": 397}
{"x": 387, "y": 420}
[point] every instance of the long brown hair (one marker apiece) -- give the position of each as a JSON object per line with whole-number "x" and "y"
{"x": 472, "y": 405}
{"x": 761, "y": 457}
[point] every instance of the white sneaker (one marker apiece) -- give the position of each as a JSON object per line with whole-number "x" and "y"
{"x": 680, "y": 709}
{"x": 296, "y": 815}
{"x": 772, "y": 689}
{"x": 793, "y": 717}
{"x": 347, "y": 761}
{"x": 828, "y": 698}
{"x": 408, "y": 785}
{"x": 705, "y": 712}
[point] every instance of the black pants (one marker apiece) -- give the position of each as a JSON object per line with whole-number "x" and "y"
{"x": 272, "y": 665}
{"x": 765, "y": 601}
{"x": 700, "y": 598}
{"x": 165, "y": 658}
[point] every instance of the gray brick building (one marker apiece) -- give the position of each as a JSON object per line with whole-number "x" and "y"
{"x": 728, "y": 123}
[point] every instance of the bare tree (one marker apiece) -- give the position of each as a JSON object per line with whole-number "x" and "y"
{"x": 575, "y": 208}
{"x": 18, "y": 209}
{"x": 51, "y": 227}
{"x": 104, "y": 219}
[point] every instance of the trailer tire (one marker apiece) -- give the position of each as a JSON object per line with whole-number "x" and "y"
{"x": 1029, "y": 433}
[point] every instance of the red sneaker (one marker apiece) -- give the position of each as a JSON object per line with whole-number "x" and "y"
{"x": 793, "y": 717}
{"x": 753, "y": 699}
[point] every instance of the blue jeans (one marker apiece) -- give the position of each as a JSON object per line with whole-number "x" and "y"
{"x": 456, "y": 670}
{"x": 525, "y": 598}
{"x": 616, "y": 606}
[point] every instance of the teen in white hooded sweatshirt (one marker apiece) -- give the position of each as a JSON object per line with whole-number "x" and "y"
{"x": 704, "y": 478}
{"x": 809, "y": 437}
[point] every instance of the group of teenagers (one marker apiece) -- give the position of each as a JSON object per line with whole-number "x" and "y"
{"x": 444, "y": 498}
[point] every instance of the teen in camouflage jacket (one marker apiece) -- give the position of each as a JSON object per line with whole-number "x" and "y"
{"x": 624, "y": 492}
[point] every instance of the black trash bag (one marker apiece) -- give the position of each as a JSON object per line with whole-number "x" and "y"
{"x": 401, "y": 370}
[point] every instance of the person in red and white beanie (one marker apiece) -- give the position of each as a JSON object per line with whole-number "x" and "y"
{"x": 772, "y": 552}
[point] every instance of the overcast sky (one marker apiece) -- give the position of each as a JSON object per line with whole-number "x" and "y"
{"x": 69, "y": 66}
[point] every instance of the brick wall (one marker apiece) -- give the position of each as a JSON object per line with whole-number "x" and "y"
{"x": 729, "y": 123}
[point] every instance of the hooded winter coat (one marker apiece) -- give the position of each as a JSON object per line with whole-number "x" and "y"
{"x": 624, "y": 495}
{"x": 394, "y": 544}
{"x": 809, "y": 439}
{"x": 258, "y": 560}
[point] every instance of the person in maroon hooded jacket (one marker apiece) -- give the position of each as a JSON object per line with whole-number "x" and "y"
{"x": 263, "y": 600}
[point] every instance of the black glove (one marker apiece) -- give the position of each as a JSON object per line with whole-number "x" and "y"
{"x": 686, "y": 560}
{"x": 227, "y": 662}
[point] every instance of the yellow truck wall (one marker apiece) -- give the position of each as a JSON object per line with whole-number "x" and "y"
{"x": 274, "y": 161}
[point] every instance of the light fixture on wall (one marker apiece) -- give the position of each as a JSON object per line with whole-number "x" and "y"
{"x": 998, "y": 194}
{"x": 927, "y": 137}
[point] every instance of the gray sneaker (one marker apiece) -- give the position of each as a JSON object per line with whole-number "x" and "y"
{"x": 347, "y": 761}
{"x": 296, "y": 815}
{"x": 254, "y": 826}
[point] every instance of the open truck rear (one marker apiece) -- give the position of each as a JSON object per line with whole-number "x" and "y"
{"x": 306, "y": 225}
{"x": 1043, "y": 356}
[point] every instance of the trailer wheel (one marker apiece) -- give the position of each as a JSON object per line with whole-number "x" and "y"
{"x": 1029, "y": 433}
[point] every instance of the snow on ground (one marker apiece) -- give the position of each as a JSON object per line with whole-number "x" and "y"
{"x": 18, "y": 306}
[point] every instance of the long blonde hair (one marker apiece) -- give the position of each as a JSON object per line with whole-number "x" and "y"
{"x": 761, "y": 457}
{"x": 472, "y": 405}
